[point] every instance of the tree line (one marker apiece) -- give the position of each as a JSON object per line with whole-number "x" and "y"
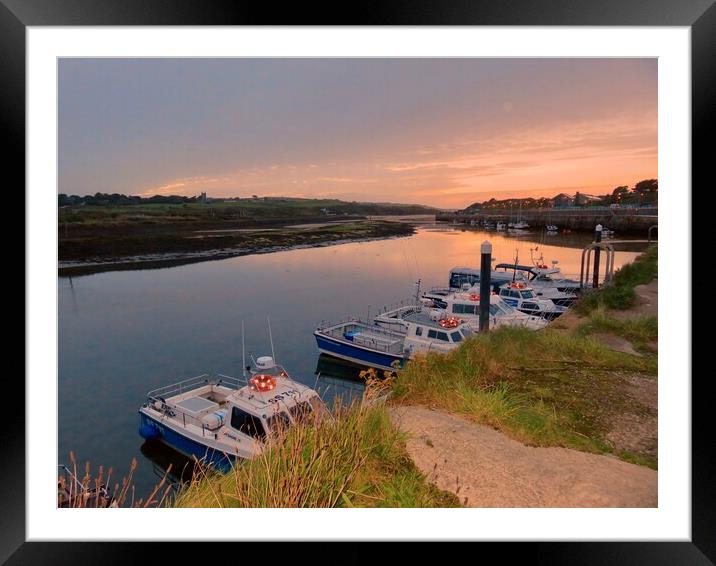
{"x": 116, "y": 199}
{"x": 643, "y": 192}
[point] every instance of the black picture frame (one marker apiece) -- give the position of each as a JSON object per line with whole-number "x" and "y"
{"x": 17, "y": 15}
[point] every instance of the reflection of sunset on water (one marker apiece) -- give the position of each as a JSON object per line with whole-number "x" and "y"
{"x": 430, "y": 254}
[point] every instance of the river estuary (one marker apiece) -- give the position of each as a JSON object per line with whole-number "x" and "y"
{"x": 124, "y": 333}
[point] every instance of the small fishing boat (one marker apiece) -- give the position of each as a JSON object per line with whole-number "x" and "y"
{"x": 524, "y": 298}
{"x": 520, "y": 225}
{"x": 466, "y": 305}
{"x": 462, "y": 278}
{"x": 500, "y": 226}
{"x": 418, "y": 331}
{"x": 545, "y": 281}
{"x": 221, "y": 420}
{"x": 552, "y": 228}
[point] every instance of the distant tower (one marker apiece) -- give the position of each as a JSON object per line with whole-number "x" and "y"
{"x": 202, "y": 198}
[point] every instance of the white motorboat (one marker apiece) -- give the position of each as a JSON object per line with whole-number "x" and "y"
{"x": 524, "y": 298}
{"x": 547, "y": 282}
{"x": 224, "y": 419}
{"x": 418, "y": 331}
{"x": 465, "y": 305}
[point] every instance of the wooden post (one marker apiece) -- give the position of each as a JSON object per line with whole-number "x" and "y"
{"x": 485, "y": 271}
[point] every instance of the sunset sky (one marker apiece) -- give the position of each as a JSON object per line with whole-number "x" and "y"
{"x": 441, "y": 132}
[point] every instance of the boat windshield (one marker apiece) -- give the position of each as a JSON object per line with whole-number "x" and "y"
{"x": 456, "y": 336}
{"x": 527, "y": 294}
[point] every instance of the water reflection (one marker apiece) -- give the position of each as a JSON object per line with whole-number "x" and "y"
{"x": 166, "y": 461}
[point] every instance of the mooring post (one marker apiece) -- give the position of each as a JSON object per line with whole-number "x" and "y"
{"x": 485, "y": 270}
{"x": 597, "y": 239}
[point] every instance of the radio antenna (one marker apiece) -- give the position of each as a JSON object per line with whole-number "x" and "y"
{"x": 243, "y": 351}
{"x": 273, "y": 354}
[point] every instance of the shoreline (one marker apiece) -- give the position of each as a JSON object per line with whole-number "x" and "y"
{"x": 376, "y": 230}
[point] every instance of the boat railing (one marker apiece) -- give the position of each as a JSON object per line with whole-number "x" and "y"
{"x": 377, "y": 337}
{"x": 441, "y": 290}
{"x": 159, "y": 396}
{"x": 326, "y": 324}
{"x": 398, "y": 305}
{"x": 190, "y": 384}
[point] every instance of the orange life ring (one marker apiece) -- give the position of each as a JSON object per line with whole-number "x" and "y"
{"x": 517, "y": 285}
{"x": 474, "y": 297}
{"x": 263, "y": 382}
{"x": 542, "y": 266}
{"x": 449, "y": 322}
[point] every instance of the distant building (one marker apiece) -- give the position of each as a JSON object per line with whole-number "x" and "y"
{"x": 202, "y": 198}
{"x": 581, "y": 199}
{"x": 563, "y": 199}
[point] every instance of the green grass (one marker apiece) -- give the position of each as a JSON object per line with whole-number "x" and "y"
{"x": 228, "y": 211}
{"x": 357, "y": 460}
{"x": 543, "y": 388}
{"x": 620, "y": 294}
{"x": 642, "y": 331}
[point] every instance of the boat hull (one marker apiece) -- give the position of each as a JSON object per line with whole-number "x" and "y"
{"x": 358, "y": 354}
{"x": 187, "y": 446}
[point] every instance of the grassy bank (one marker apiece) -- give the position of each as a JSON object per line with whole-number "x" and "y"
{"x": 620, "y": 293}
{"x": 543, "y": 388}
{"x": 356, "y": 460}
{"x": 229, "y": 211}
{"x": 642, "y": 331}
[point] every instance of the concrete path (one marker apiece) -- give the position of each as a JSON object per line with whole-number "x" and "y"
{"x": 485, "y": 468}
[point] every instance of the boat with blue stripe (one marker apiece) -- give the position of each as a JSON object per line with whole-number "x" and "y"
{"x": 373, "y": 345}
{"x": 223, "y": 420}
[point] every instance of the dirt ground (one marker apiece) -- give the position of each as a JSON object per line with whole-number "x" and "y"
{"x": 485, "y": 468}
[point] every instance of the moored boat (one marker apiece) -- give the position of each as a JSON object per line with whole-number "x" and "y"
{"x": 417, "y": 331}
{"x": 524, "y": 298}
{"x": 547, "y": 282}
{"x": 221, "y": 420}
{"x": 466, "y": 304}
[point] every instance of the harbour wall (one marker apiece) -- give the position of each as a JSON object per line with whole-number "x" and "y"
{"x": 624, "y": 220}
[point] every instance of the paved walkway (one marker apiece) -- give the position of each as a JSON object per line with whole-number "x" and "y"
{"x": 485, "y": 468}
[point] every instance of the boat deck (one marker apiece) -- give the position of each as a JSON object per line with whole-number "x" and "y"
{"x": 375, "y": 338}
{"x": 189, "y": 401}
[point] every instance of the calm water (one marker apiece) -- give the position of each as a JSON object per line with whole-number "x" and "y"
{"x": 124, "y": 333}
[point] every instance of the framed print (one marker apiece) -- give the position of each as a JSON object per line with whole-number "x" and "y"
{"x": 227, "y": 185}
